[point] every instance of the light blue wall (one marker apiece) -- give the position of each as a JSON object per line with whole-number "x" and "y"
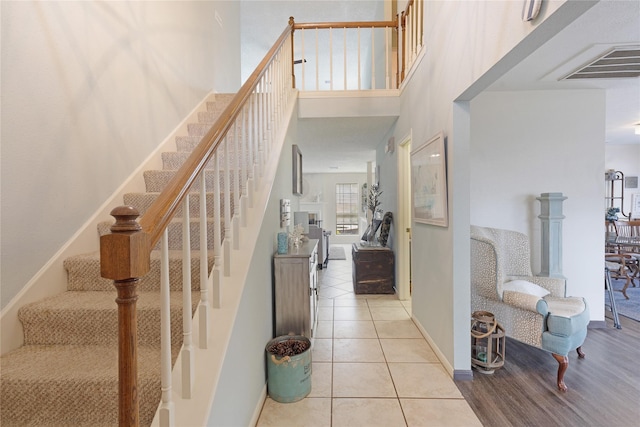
{"x": 243, "y": 372}
{"x": 530, "y": 142}
{"x": 460, "y": 61}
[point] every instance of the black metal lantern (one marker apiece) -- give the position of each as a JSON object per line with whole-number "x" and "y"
{"x": 487, "y": 342}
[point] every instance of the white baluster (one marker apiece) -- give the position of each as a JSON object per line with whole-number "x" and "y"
{"x": 386, "y": 59}
{"x": 187, "y": 339}
{"x": 250, "y": 152}
{"x": 359, "y": 75}
{"x": 269, "y": 107}
{"x": 261, "y": 120}
{"x": 373, "y": 59}
{"x": 236, "y": 182}
{"x": 166, "y": 411}
{"x": 255, "y": 142}
{"x": 420, "y": 12}
{"x": 244, "y": 201}
{"x": 330, "y": 59}
{"x": 416, "y": 30}
{"x": 217, "y": 236}
{"x": 345, "y": 57}
{"x": 226, "y": 257}
{"x": 317, "y": 63}
{"x": 303, "y": 60}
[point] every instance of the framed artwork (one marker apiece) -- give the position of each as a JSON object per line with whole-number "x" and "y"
{"x": 297, "y": 170}
{"x": 429, "y": 182}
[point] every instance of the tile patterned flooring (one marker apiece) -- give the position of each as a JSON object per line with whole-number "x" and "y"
{"x": 371, "y": 366}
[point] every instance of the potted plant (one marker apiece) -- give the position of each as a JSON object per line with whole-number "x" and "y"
{"x": 288, "y": 368}
{"x": 373, "y": 203}
{"x": 612, "y": 214}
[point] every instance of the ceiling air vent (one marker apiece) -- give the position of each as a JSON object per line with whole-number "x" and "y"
{"x": 620, "y": 62}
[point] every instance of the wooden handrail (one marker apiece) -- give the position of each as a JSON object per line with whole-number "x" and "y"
{"x": 408, "y": 7}
{"x": 358, "y": 24}
{"x": 158, "y": 216}
{"x": 125, "y": 252}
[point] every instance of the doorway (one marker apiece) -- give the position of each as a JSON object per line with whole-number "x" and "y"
{"x": 404, "y": 219}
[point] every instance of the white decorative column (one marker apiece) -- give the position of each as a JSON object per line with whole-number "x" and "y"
{"x": 551, "y": 217}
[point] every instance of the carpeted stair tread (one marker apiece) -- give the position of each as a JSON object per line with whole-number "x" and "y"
{"x": 201, "y": 129}
{"x": 72, "y": 385}
{"x": 187, "y": 143}
{"x": 174, "y": 229}
{"x": 83, "y": 272}
{"x": 143, "y": 201}
{"x": 66, "y": 374}
{"x": 157, "y": 180}
{"x": 221, "y": 101}
{"x": 173, "y": 160}
{"x": 91, "y": 317}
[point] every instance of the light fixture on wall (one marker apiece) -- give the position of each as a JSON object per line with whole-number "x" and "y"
{"x": 637, "y": 128}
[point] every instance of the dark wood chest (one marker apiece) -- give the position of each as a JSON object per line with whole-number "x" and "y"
{"x": 373, "y": 270}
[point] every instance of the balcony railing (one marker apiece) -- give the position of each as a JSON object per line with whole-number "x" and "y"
{"x": 341, "y": 56}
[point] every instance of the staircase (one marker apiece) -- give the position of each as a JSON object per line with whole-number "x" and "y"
{"x": 66, "y": 373}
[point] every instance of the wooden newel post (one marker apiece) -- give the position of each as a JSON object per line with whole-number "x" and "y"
{"x": 124, "y": 257}
{"x": 403, "y": 25}
{"x": 293, "y": 74}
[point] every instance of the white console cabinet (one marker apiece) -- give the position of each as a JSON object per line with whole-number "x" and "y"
{"x": 295, "y": 290}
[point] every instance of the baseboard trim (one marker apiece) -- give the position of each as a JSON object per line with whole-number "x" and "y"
{"x": 441, "y": 357}
{"x": 597, "y": 324}
{"x": 462, "y": 375}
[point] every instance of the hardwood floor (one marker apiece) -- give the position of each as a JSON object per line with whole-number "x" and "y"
{"x": 604, "y": 388}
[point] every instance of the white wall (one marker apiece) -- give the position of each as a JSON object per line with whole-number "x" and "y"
{"x": 89, "y": 89}
{"x": 324, "y": 184}
{"x": 527, "y": 143}
{"x": 243, "y": 377}
{"x": 624, "y": 158}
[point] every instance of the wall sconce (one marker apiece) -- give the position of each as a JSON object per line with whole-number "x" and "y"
{"x": 637, "y": 128}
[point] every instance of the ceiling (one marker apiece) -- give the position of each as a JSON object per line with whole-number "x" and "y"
{"x": 606, "y": 25}
{"x": 341, "y": 145}
{"x": 346, "y": 144}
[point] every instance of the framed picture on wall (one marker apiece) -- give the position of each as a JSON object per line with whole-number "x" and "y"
{"x": 429, "y": 182}
{"x": 297, "y": 170}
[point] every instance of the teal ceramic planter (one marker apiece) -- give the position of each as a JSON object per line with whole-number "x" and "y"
{"x": 288, "y": 377}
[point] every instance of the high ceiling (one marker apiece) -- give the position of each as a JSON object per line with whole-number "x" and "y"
{"x": 341, "y": 145}
{"x": 607, "y": 25}
{"x": 348, "y": 143}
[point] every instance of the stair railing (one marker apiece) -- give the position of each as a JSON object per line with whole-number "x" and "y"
{"x": 367, "y": 55}
{"x": 361, "y": 56}
{"x": 229, "y": 159}
{"x": 412, "y": 28}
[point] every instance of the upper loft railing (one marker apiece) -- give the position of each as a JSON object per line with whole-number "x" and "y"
{"x": 368, "y": 55}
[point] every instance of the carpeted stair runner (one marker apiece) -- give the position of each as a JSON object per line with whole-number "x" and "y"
{"x": 66, "y": 373}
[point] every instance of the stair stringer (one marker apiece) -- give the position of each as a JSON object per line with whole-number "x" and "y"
{"x": 51, "y": 279}
{"x": 208, "y": 362}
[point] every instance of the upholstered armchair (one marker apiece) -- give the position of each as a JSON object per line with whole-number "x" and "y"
{"x": 534, "y": 310}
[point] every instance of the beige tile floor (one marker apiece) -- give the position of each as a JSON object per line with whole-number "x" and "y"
{"x": 371, "y": 366}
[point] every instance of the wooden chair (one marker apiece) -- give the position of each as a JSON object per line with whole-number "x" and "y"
{"x": 623, "y": 261}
